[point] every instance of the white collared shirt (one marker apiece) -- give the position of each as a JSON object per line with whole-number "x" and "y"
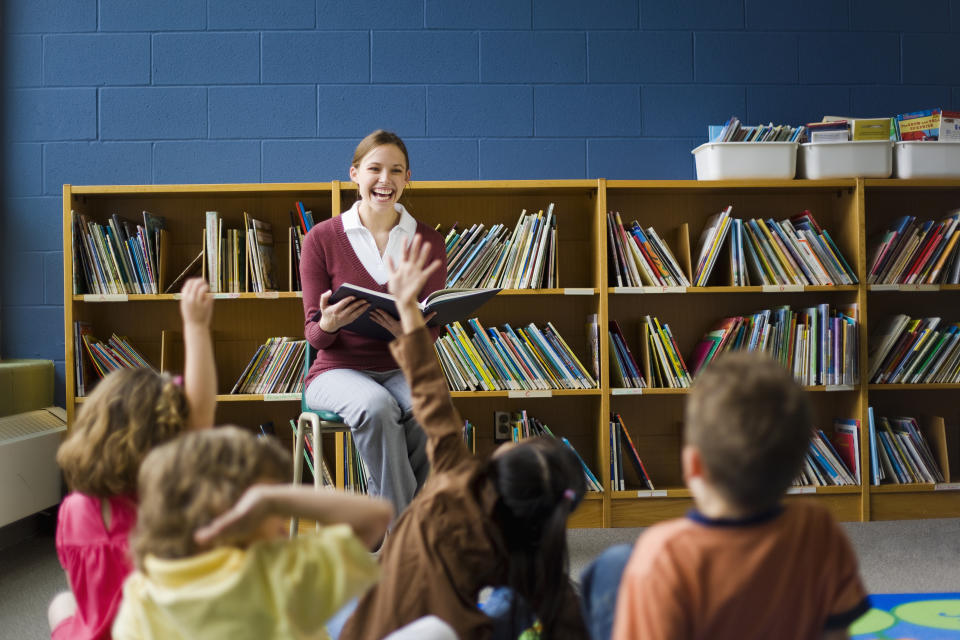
{"x": 365, "y": 246}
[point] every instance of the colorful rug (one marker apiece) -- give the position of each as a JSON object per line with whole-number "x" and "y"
{"x": 910, "y": 616}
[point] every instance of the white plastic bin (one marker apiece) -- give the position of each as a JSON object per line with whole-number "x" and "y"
{"x": 746, "y": 160}
{"x": 926, "y": 159}
{"x": 852, "y": 159}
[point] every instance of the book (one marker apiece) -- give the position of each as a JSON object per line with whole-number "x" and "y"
{"x": 450, "y": 305}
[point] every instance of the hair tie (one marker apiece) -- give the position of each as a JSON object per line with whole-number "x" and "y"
{"x": 568, "y": 494}
{"x": 178, "y": 380}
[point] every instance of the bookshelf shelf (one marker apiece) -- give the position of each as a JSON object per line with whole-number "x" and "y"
{"x": 852, "y": 210}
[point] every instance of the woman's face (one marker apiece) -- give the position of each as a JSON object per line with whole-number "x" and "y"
{"x": 381, "y": 176}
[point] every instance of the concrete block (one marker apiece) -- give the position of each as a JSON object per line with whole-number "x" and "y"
{"x": 889, "y": 15}
{"x": 23, "y": 63}
{"x": 53, "y": 278}
{"x": 50, "y": 16}
{"x": 251, "y": 14}
{"x": 691, "y": 14}
{"x": 32, "y": 224}
{"x": 685, "y": 111}
{"x": 206, "y": 58}
{"x": 424, "y": 57}
{"x": 26, "y": 288}
{"x": 795, "y": 105}
{"x": 96, "y": 59}
{"x": 24, "y": 170}
{"x": 849, "y": 58}
{"x": 262, "y": 112}
{"x": 369, "y": 14}
{"x": 355, "y": 111}
{"x": 307, "y": 160}
{"x": 153, "y": 113}
{"x": 51, "y": 114}
{"x": 575, "y": 14}
{"x": 532, "y": 56}
{"x": 586, "y": 110}
{"x": 532, "y": 159}
{"x": 889, "y": 100}
{"x": 745, "y": 57}
{"x": 640, "y": 56}
{"x": 326, "y": 57}
{"x": 32, "y": 332}
{"x": 797, "y": 15}
{"x": 641, "y": 159}
{"x": 480, "y": 111}
{"x": 924, "y": 61}
{"x": 206, "y": 162}
{"x": 150, "y": 15}
{"x": 465, "y": 14}
{"x": 94, "y": 163}
{"x": 438, "y": 159}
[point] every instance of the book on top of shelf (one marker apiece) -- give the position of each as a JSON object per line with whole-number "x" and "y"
{"x": 260, "y": 261}
{"x": 450, "y": 305}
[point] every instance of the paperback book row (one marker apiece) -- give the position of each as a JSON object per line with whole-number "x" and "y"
{"x": 238, "y": 260}
{"x": 524, "y": 426}
{"x": 916, "y": 251}
{"x": 901, "y": 451}
{"x": 915, "y": 351}
{"x": 818, "y": 345}
{"x": 927, "y": 124}
{"x": 120, "y": 257}
{"x": 832, "y": 461}
{"x": 498, "y": 257}
{"x": 735, "y": 131}
{"x": 639, "y": 257}
{"x": 506, "y": 359}
{"x": 276, "y": 367}
{"x": 95, "y": 359}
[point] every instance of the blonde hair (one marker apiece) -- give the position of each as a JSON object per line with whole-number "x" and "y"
{"x": 129, "y": 412}
{"x": 377, "y": 139}
{"x": 187, "y": 483}
{"x": 751, "y": 423}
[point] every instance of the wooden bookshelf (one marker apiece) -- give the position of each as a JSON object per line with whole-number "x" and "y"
{"x": 851, "y": 210}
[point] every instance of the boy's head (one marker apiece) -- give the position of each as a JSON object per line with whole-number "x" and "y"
{"x": 187, "y": 483}
{"x": 750, "y": 423}
{"x": 130, "y": 412}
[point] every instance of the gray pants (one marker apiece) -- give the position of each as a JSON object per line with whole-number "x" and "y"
{"x": 376, "y": 405}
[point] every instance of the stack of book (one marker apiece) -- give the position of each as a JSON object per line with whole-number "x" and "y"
{"x": 119, "y": 257}
{"x": 818, "y": 345}
{"x": 915, "y": 351}
{"x": 825, "y": 465}
{"x": 509, "y": 359}
{"x": 667, "y": 367}
{"x": 276, "y": 367}
{"x": 523, "y": 426}
{"x": 915, "y": 252}
{"x": 525, "y": 258}
{"x": 626, "y": 370}
{"x": 734, "y": 131}
{"x": 900, "y": 454}
{"x": 621, "y": 444}
{"x": 640, "y": 257}
{"x": 116, "y": 353}
{"x": 238, "y": 261}
{"x": 928, "y": 124}
{"x": 797, "y": 251}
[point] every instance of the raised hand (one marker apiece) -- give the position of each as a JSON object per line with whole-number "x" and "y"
{"x": 340, "y": 314}
{"x": 411, "y": 273}
{"x": 196, "y": 303}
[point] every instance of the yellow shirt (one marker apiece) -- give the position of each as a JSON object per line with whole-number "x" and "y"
{"x": 278, "y": 589}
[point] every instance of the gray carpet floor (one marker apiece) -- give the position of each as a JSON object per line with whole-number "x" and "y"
{"x": 909, "y": 556}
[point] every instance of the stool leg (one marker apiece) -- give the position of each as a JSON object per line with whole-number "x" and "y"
{"x": 302, "y": 421}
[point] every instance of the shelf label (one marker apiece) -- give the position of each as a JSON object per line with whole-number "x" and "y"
{"x": 178, "y": 296}
{"x": 663, "y": 289}
{"x": 268, "y": 295}
{"x": 919, "y": 287}
{"x": 947, "y": 486}
{"x": 628, "y": 289}
{"x": 578, "y": 291}
{"x": 105, "y": 297}
{"x": 801, "y": 490}
{"x": 226, "y": 296}
{"x": 646, "y": 493}
{"x": 625, "y": 391}
{"x": 529, "y": 393}
{"x": 280, "y": 397}
{"x": 782, "y": 288}
{"x": 299, "y": 294}
{"x": 884, "y": 287}
{"x": 838, "y": 387}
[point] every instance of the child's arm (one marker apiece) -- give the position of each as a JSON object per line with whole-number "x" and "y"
{"x": 199, "y": 372}
{"x": 368, "y": 517}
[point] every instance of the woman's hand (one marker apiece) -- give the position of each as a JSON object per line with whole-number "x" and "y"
{"x": 335, "y": 316}
{"x": 387, "y": 321}
{"x": 196, "y": 303}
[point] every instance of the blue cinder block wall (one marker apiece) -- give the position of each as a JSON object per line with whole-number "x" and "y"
{"x": 195, "y": 91}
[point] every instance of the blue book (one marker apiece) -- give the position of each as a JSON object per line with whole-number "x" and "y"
{"x": 586, "y": 469}
{"x": 872, "y": 435}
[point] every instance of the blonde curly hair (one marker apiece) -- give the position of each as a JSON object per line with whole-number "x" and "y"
{"x": 130, "y": 412}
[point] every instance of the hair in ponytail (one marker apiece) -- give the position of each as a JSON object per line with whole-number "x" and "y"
{"x": 540, "y": 483}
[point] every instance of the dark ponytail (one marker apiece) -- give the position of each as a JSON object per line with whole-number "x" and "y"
{"x": 540, "y": 483}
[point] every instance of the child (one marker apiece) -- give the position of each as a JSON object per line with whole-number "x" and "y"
{"x": 213, "y": 559}
{"x": 355, "y": 375}
{"x": 129, "y": 412}
{"x": 499, "y": 522}
{"x": 742, "y": 565}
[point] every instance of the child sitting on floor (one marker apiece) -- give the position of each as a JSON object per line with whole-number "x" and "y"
{"x": 212, "y": 556}
{"x": 497, "y": 522}
{"x": 128, "y": 413}
{"x": 742, "y": 564}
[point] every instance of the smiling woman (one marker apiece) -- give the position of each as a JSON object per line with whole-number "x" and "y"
{"x": 355, "y": 375}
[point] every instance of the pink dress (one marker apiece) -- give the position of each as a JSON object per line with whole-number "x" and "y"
{"x": 96, "y": 560}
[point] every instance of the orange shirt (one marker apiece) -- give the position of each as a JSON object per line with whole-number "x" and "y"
{"x": 789, "y": 573}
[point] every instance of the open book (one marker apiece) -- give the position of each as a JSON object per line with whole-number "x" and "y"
{"x": 450, "y": 304}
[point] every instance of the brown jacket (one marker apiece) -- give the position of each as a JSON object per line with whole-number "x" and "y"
{"x": 445, "y": 547}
